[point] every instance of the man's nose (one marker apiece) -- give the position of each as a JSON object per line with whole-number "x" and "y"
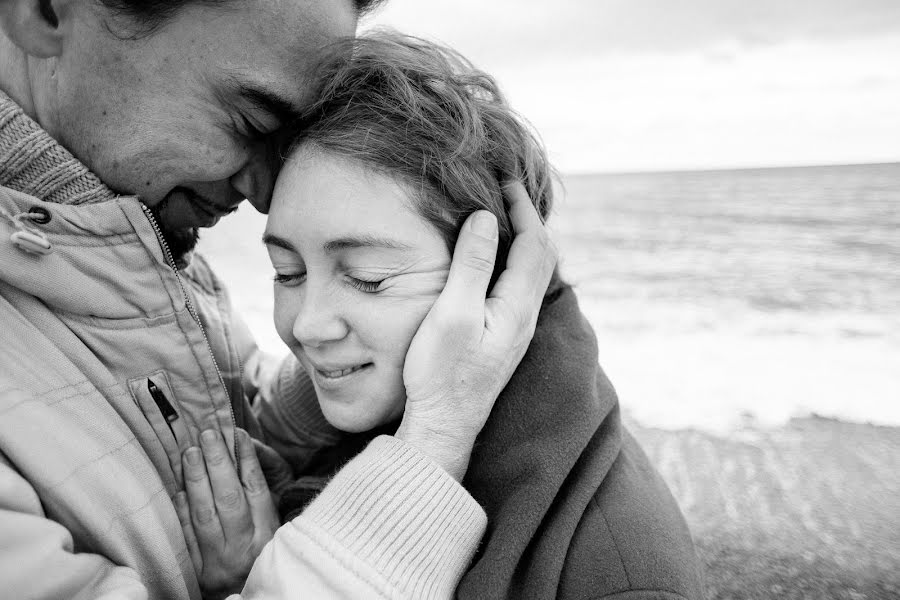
{"x": 319, "y": 320}
{"x": 256, "y": 179}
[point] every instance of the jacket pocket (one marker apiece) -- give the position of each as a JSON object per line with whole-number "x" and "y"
{"x": 153, "y": 395}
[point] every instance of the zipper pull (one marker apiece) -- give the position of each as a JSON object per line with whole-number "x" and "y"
{"x": 165, "y": 407}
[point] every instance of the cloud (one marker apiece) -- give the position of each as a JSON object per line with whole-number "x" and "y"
{"x": 600, "y": 27}
{"x": 659, "y": 84}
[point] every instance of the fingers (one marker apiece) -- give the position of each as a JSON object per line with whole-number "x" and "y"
{"x": 259, "y": 500}
{"x": 228, "y": 493}
{"x": 532, "y": 256}
{"x": 207, "y": 529}
{"x": 183, "y": 509}
{"x": 472, "y": 266}
{"x": 182, "y": 435}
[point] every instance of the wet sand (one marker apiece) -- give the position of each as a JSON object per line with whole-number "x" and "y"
{"x": 808, "y": 510}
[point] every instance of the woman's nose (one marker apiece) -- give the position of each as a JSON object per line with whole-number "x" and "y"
{"x": 319, "y": 320}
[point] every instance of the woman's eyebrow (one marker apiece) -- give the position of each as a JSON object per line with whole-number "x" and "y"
{"x": 363, "y": 241}
{"x": 270, "y": 239}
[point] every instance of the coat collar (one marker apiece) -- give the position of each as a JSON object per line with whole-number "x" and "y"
{"x": 106, "y": 260}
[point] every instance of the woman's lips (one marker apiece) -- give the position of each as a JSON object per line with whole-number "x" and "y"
{"x": 339, "y": 372}
{"x": 331, "y": 378}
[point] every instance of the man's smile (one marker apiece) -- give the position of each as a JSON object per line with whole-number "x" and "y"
{"x": 183, "y": 208}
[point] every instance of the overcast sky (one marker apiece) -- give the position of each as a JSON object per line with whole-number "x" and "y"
{"x": 618, "y": 85}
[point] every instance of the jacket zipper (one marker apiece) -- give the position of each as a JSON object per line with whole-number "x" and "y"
{"x": 162, "y": 403}
{"x": 190, "y": 306}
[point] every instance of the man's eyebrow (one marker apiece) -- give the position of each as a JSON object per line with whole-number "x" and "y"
{"x": 269, "y": 101}
{"x": 273, "y": 240}
{"x": 364, "y": 241}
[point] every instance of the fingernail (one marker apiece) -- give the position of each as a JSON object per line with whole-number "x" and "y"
{"x": 193, "y": 456}
{"x": 243, "y": 441}
{"x": 485, "y": 225}
{"x": 209, "y": 436}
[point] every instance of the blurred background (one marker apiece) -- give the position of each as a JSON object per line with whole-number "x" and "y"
{"x": 730, "y": 216}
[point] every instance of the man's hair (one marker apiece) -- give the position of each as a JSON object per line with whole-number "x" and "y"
{"x": 148, "y": 15}
{"x": 421, "y": 113}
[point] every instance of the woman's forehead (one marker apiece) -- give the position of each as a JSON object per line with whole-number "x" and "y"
{"x": 339, "y": 205}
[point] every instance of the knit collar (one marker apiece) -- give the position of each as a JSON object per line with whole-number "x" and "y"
{"x": 34, "y": 163}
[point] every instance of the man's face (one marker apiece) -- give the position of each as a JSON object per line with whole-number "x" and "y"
{"x": 179, "y": 116}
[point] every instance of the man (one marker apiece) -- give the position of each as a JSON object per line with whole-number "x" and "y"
{"x": 124, "y": 126}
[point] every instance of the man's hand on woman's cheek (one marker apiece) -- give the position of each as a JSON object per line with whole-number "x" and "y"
{"x": 468, "y": 346}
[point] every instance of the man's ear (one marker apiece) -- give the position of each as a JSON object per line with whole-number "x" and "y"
{"x": 35, "y": 25}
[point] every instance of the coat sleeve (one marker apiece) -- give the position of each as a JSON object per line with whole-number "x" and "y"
{"x": 390, "y": 524}
{"x": 37, "y": 557}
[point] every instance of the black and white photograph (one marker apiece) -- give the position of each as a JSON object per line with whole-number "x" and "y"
{"x": 360, "y": 299}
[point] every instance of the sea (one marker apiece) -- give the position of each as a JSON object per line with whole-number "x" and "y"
{"x": 721, "y": 300}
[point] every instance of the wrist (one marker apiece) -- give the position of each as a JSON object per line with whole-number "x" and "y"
{"x": 449, "y": 448}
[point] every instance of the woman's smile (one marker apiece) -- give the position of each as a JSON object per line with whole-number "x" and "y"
{"x": 330, "y": 378}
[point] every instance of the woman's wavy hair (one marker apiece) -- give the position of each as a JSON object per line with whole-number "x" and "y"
{"x": 421, "y": 113}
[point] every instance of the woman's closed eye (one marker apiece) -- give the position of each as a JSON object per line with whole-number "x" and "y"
{"x": 364, "y": 285}
{"x": 290, "y": 279}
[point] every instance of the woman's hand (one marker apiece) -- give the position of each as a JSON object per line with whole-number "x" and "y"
{"x": 226, "y": 520}
{"x": 469, "y": 345}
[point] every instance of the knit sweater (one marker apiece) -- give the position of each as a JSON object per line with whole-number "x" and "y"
{"x": 33, "y": 163}
{"x": 575, "y": 510}
{"x": 90, "y": 460}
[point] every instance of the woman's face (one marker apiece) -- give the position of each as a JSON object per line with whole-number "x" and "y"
{"x": 356, "y": 271}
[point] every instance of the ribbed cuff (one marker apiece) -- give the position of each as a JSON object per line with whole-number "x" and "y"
{"x": 404, "y": 516}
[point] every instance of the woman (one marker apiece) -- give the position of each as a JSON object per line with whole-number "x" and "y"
{"x": 403, "y": 141}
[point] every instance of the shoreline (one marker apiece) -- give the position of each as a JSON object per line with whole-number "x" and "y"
{"x": 749, "y": 425}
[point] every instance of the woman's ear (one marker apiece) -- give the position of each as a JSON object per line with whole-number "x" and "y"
{"x": 35, "y": 26}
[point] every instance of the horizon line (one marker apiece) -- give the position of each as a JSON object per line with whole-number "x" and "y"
{"x": 662, "y": 171}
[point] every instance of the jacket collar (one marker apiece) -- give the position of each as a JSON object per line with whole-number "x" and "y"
{"x": 106, "y": 260}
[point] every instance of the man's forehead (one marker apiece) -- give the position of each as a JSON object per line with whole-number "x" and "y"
{"x": 253, "y": 28}
{"x": 271, "y": 46}
{"x": 289, "y": 23}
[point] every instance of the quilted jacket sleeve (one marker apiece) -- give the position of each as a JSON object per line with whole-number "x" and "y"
{"x": 37, "y": 556}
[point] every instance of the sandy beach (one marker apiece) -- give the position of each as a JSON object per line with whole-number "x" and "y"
{"x": 807, "y": 510}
